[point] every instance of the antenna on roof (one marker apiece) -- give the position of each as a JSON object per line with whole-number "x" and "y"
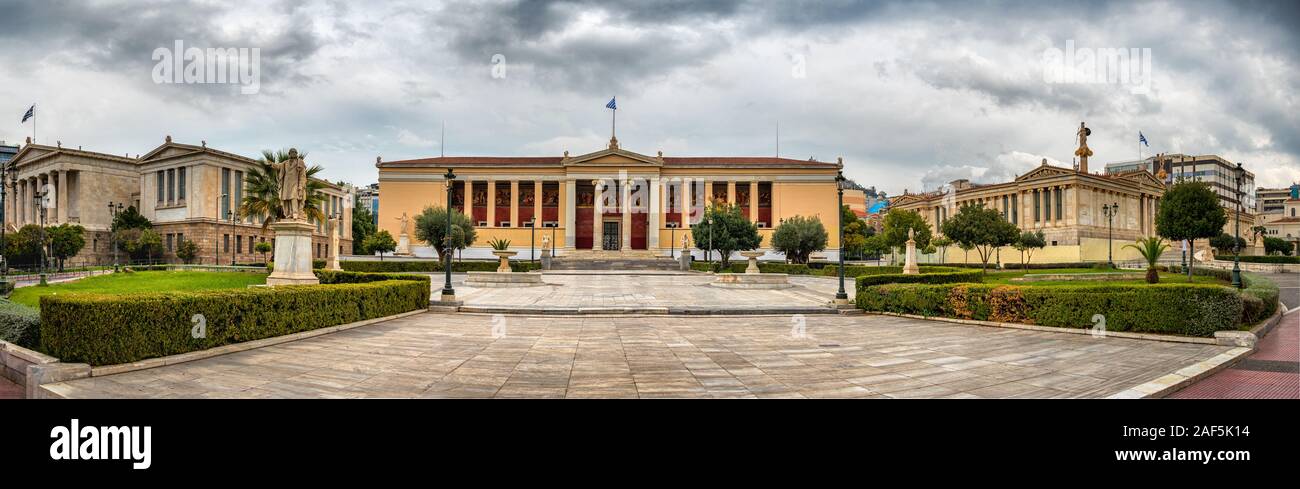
{"x": 442, "y": 145}
{"x": 778, "y": 139}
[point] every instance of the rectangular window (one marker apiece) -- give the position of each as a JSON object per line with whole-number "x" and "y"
{"x": 1005, "y": 208}
{"x": 162, "y": 187}
{"x": 180, "y": 238}
{"x": 1059, "y": 204}
{"x": 1047, "y": 205}
{"x": 1015, "y": 210}
{"x": 1037, "y": 216}
{"x": 239, "y": 188}
{"x": 180, "y": 183}
{"x": 169, "y": 242}
{"x": 239, "y": 243}
{"x": 171, "y": 185}
{"x": 225, "y": 193}
{"x": 225, "y": 243}
{"x": 250, "y": 243}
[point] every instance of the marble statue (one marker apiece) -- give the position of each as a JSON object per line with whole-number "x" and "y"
{"x": 292, "y": 179}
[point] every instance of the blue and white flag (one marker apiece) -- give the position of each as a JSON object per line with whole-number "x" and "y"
{"x": 30, "y": 113}
{"x": 1143, "y": 139}
{"x": 611, "y": 104}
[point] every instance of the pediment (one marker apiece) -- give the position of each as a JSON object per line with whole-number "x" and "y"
{"x": 613, "y": 157}
{"x": 169, "y": 150}
{"x": 1044, "y": 171}
{"x": 1143, "y": 176}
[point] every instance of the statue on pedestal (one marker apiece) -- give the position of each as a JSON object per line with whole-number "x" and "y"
{"x": 1083, "y": 152}
{"x": 292, "y": 180}
{"x": 910, "y": 267}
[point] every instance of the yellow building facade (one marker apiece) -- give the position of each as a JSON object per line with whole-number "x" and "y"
{"x": 611, "y": 202}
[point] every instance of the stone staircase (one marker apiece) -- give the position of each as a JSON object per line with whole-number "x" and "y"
{"x": 613, "y": 260}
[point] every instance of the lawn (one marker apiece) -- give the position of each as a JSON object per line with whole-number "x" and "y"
{"x": 141, "y": 282}
{"x": 1004, "y": 277}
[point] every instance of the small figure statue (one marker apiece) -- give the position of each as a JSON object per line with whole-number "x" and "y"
{"x": 405, "y": 220}
{"x": 1083, "y": 152}
{"x": 292, "y": 179}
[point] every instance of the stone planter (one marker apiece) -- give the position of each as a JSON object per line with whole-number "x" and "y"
{"x": 494, "y": 279}
{"x": 753, "y": 260}
{"x": 504, "y": 267}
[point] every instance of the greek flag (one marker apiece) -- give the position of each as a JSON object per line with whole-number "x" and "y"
{"x": 611, "y": 104}
{"x": 32, "y": 112}
{"x": 1143, "y": 139}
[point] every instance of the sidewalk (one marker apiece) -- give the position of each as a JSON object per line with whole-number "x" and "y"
{"x": 1272, "y": 372}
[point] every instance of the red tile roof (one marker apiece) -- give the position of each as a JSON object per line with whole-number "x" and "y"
{"x": 671, "y": 161}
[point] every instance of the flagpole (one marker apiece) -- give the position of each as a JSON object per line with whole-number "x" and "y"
{"x": 613, "y": 122}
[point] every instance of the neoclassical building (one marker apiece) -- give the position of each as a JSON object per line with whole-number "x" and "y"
{"x": 1064, "y": 203}
{"x": 187, "y": 191}
{"x": 612, "y": 202}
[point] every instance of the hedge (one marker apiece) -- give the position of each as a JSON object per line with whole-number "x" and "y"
{"x": 1183, "y": 309}
{"x": 1259, "y": 298}
{"x": 19, "y": 324}
{"x": 1261, "y": 259}
{"x": 110, "y": 329}
{"x": 940, "y": 277}
{"x": 1015, "y": 265}
{"x": 429, "y": 266}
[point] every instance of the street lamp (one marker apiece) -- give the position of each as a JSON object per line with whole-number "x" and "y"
{"x": 841, "y": 297}
{"x": 4, "y": 263}
{"x": 1110, "y": 211}
{"x": 39, "y": 200}
{"x": 230, "y": 214}
{"x": 672, "y": 239}
{"x": 1236, "y": 244}
{"x": 217, "y": 230}
{"x": 553, "y": 226}
{"x": 532, "y": 239}
{"x": 708, "y": 254}
{"x": 114, "y": 210}
{"x": 448, "y": 293}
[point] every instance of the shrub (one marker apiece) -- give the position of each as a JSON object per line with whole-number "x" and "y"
{"x": 346, "y": 277}
{"x": 970, "y": 276}
{"x": 19, "y": 324}
{"x": 1262, "y": 259}
{"x": 111, "y": 329}
{"x": 1260, "y": 298}
{"x": 797, "y": 238}
{"x": 1184, "y": 309}
{"x": 430, "y": 266}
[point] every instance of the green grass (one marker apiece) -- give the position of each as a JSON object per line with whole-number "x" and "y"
{"x": 141, "y": 282}
{"x": 1004, "y": 277}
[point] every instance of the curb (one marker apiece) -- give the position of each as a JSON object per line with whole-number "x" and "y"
{"x": 1054, "y": 329}
{"x": 1184, "y": 377}
{"x": 640, "y": 311}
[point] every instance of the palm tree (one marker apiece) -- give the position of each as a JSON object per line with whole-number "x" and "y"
{"x": 1151, "y": 248}
{"x": 262, "y": 190}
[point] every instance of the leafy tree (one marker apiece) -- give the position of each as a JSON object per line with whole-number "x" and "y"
{"x": 140, "y": 243}
{"x": 363, "y": 225}
{"x": 856, "y": 232}
{"x": 66, "y": 240}
{"x": 965, "y": 247}
{"x": 131, "y": 219}
{"x": 983, "y": 229}
{"x": 725, "y": 230}
{"x": 264, "y": 247}
{"x": 1226, "y": 244}
{"x": 896, "y": 224}
{"x": 24, "y": 246}
{"x": 1190, "y": 211}
{"x": 1151, "y": 248}
{"x": 1026, "y": 244}
{"x": 875, "y": 246}
{"x": 380, "y": 242}
{"x": 1278, "y": 245}
{"x": 431, "y": 227}
{"x": 262, "y": 190}
{"x": 943, "y": 243}
{"x": 797, "y": 238}
{"x": 187, "y": 251}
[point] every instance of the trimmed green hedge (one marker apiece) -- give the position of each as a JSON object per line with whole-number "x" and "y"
{"x": 1183, "y": 309}
{"x": 1261, "y": 259}
{"x": 1015, "y": 265}
{"x": 111, "y": 329}
{"x": 925, "y": 277}
{"x": 1259, "y": 298}
{"x": 433, "y": 266}
{"x": 19, "y": 324}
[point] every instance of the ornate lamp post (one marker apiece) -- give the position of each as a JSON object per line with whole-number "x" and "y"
{"x": 39, "y": 200}
{"x": 841, "y": 297}
{"x": 217, "y": 230}
{"x": 448, "y": 293}
{"x": 672, "y": 239}
{"x": 230, "y": 214}
{"x": 1236, "y": 244}
{"x": 114, "y": 210}
{"x": 1110, "y": 211}
{"x": 4, "y": 264}
{"x": 532, "y": 239}
{"x": 709, "y": 252}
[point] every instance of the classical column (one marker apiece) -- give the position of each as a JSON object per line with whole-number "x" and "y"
{"x": 492, "y": 203}
{"x": 753, "y": 201}
{"x": 537, "y": 203}
{"x": 63, "y": 196}
{"x": 652, "y": 231}
{"x": 467, "y": 200}
{"x": 570, "y": 207}
{"x": 514, "y": 205}
{"x": 731, "y": 192}
{"x": 625, "y": 208}
{"x": 597, "y": 209}
{"x": 685, "y": 203}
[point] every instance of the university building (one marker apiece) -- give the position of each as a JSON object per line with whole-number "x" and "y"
{"x": 608, "y": 203}
{"x": 189, "y": 192}
{"x": 1064, "y": 203}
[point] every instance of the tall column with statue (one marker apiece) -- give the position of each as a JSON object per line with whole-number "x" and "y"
{"x": 293, "y": 246}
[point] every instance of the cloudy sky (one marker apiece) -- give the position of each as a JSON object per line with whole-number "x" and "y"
{"x": 911, "y": 95}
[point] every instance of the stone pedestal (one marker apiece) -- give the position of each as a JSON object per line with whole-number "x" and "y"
{"x": 504, "y": 256}
{"x": 684, "y": 260}
{"x": 292, "y": 254}
{"x": 403, "y": 245}
{"x": 334, "y": 251}
{"x": 753, "y": 260}
{"x": 909, "y": 266}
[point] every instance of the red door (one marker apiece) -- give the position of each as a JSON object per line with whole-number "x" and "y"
{"x": 639, "y": 225}
{"x": 582, "y": 221}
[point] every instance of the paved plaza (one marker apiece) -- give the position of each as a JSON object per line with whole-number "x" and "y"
{"x": 433, "y": 355}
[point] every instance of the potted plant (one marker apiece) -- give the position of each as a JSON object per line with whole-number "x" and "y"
{"x": 500, "y": 248}
{"x": 1151, "y": 248}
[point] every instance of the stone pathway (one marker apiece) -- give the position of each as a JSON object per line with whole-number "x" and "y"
{"x": 467, "y": 355}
